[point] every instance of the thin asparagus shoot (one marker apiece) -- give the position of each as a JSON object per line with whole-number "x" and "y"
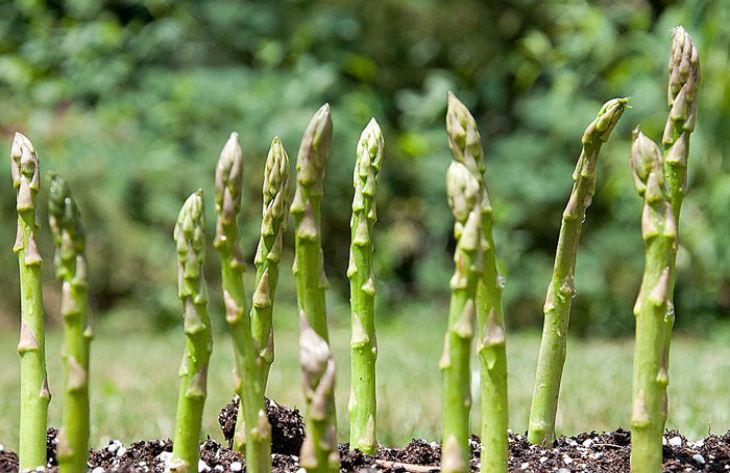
{"x": 465, "y": 194}
{"x": 34, "y": 392}
{"x": 684, "y": 80}
{"x": 363, "y": 344}
{"x": 319, "y": 453}
{"x": 465, "y": 144}
{"x": 650, "y": 378}
{"x": 71, "y": 270}
{"x": 561, "y": 290}
{"x": 190, "y": 238}
{"x": 274, "y": 223}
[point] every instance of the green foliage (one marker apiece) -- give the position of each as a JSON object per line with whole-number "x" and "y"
{"x": 130, "y": 101}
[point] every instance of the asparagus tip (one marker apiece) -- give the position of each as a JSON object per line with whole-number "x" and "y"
{"x": 229, "y": 179}
{"x": 609, "y": 114}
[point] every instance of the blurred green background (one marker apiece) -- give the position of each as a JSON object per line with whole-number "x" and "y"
{"x": 132, "y": 100}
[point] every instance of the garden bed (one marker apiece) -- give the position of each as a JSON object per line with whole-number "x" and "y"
{"x": 588, "y": 452}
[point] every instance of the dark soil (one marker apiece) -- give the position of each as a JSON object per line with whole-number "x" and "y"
{"x": 589, "y": 452}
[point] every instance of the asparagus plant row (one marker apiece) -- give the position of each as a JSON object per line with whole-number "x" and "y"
{"x": 561, "y": 289}
{"x": 466, "y": 147}
{"x": 364, "y": 347}
{"x": 71, "y": 270}
{"x": 476, "y": 294}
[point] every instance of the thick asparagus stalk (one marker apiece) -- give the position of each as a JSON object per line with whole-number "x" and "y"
{"x": 71, "y": 270}
{"x": 465, "y": 196}
{"x": 34, "y": 393}
{"x": 650, "y": 378}
{"x": 465, "y": 144}
{"x": 684, "y": 79}
{"x": 190, "y": 239}
{"x": 274, "y": 224}
{"x": 319, "y": 453}
{"x": 561, "y": 290}
{"x": 364, "y": 348}
{"x": 228, "y": 191}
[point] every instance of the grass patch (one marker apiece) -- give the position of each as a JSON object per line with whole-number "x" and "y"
{"x": 134, "y": 384}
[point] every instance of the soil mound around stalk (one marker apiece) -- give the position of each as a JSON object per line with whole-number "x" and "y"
{"x": 606, "y": 452}
{"x": 287, "y": 426}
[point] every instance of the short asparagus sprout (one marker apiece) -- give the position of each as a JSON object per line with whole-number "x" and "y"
{"x": 190, "y": 238}
{"x": 71, "y": 270}
{"x": 34, "y": 392}
{"x": 319, "y": 451}
{"x": 466, "y": 147}
{"x": 561, "y": 290}
{"x": 684, "y": 80}
{"x": 228, "y": 191}
{"x": 363, "y": 343}
{"x": 465, "y": 194}
{"x": 650, "y": 379}
{"x": 274, "y": 223}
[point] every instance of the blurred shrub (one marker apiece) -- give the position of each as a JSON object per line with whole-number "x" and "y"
{"x": 132, "y": 99}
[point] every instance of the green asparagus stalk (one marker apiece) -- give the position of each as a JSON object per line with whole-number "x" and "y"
{"x": 71, "y": 270}
{"x": 34, "y": 393}
{"x": 319, "y": 452}
{"x": 190, "y": 239}
{"x": 274, "y": 224}
{"x": 228, "y": 192}
{"x": 684, "y": 79}
{"x": 650, "y": 378}
{"x": 465, "y": 195}
{"x": 561, "y": 290}
{"x": 364, "y": 349}
{"x": 465, "y": 144}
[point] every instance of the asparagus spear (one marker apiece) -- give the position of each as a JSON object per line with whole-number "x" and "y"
{"x": 34, "y": 393}
{"x": 319, "y": 451}
{"x": 561, "y": 290}
{"x": 268, "y": 255}
{"x": 658, "y": 228}
{"x": 464, "y": 192}
{"x": 319, "y": 454}
{"x": 228, "y": 191}
{"x": 364, "y": 350}
{"x": 684, "y": 79}
{"x": 465, "y": 144}
{"x": 190, "y": 239}
{"x": 71, "y": 270}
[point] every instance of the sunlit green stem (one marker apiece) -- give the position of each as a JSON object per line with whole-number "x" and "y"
{"x": 561, "y": 290}
{"x": 319, "y": 451}
{"x": 34, "y": 393}
{"x": 650, "y": 379}
{"x": 190, "y": 239}
{"x": 71, "y": 270}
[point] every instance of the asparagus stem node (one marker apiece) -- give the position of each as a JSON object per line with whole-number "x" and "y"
{"x": 465, "y": 144}
{"x": 190, "y": 238}
{"x": 650, "y": 377}
{"x": 319, "y": 451}
{"x": 363, "y": 343}
{"x": 34, "y": 392}
{"x": 71, "y": 270}
{"x": 561, "y": 289}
